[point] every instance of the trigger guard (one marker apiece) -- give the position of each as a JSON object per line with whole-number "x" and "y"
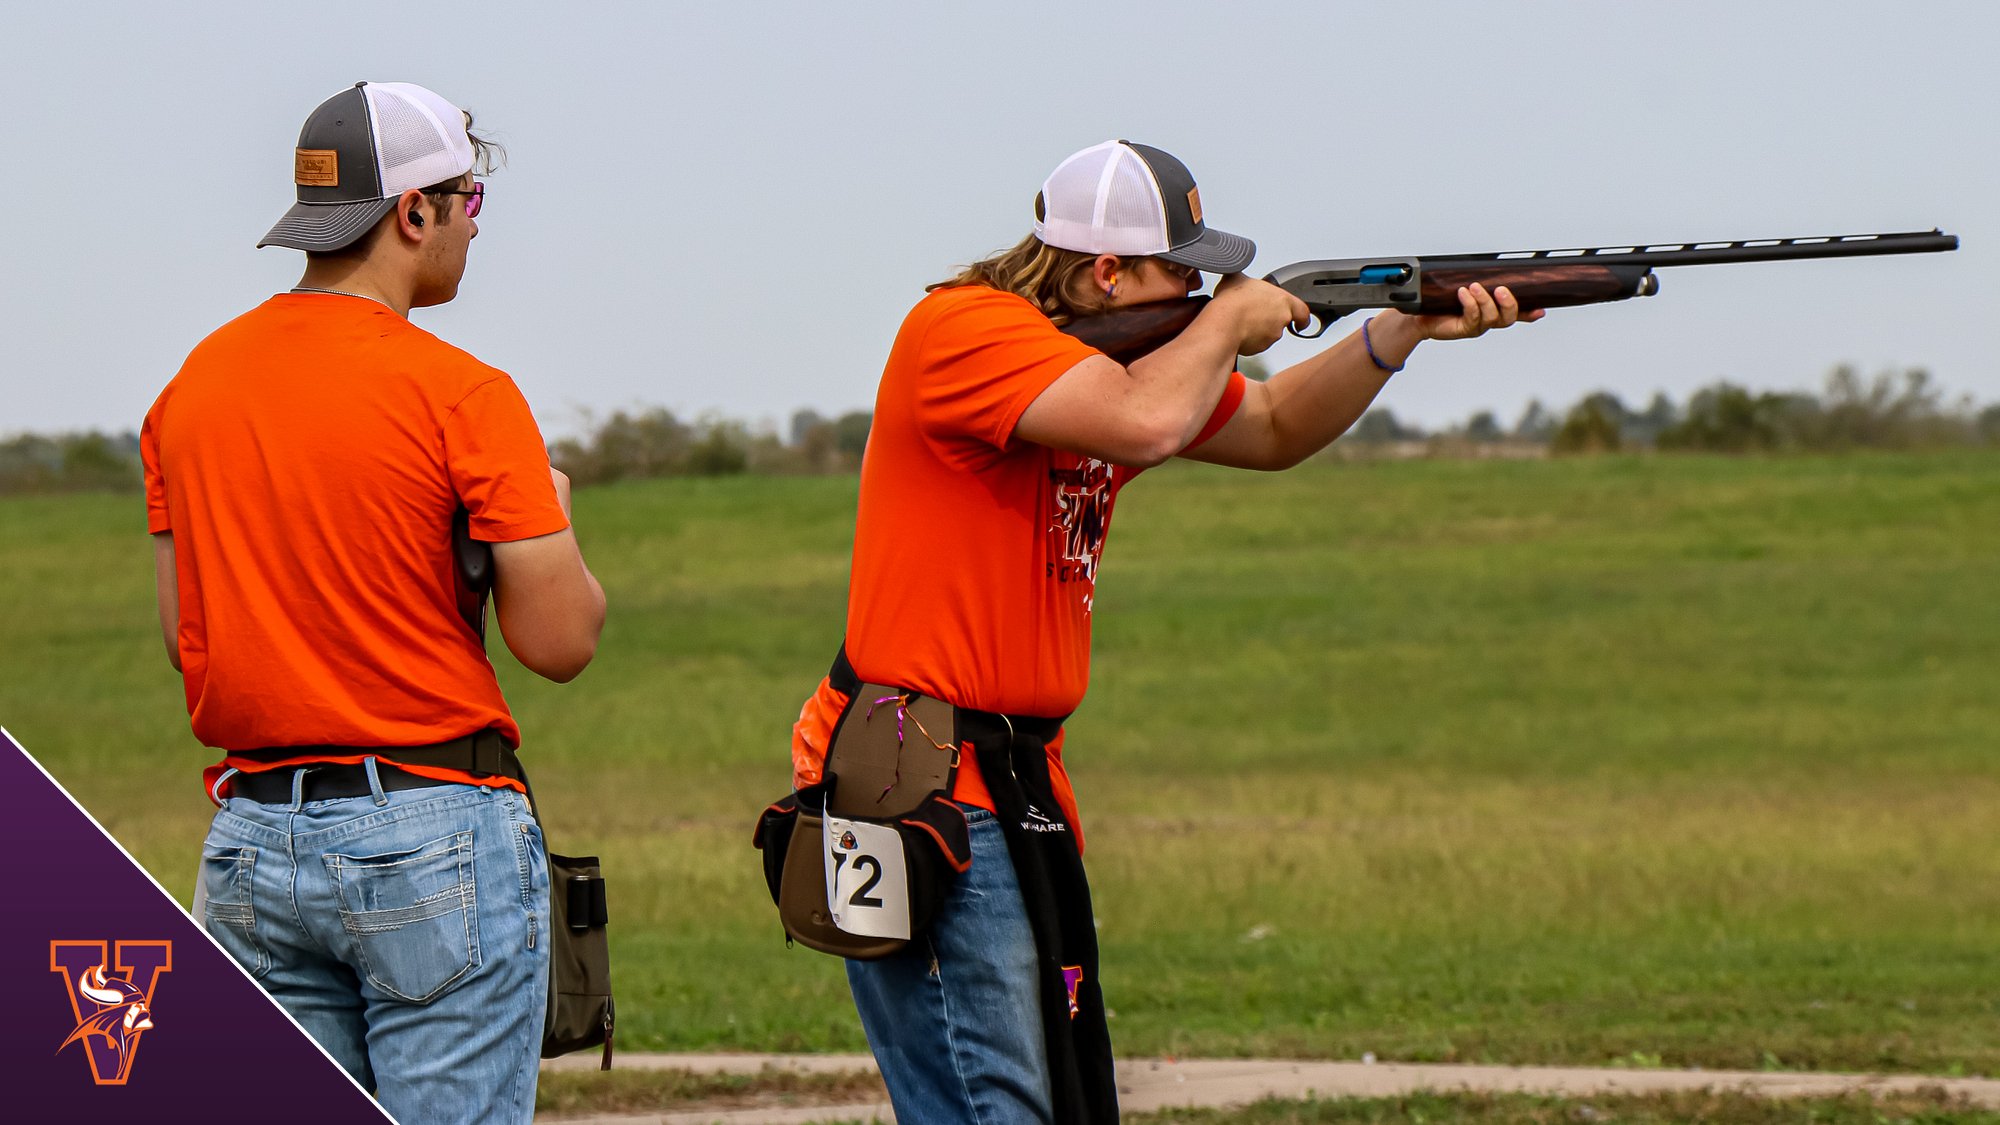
{"x": 1316, "y": 333}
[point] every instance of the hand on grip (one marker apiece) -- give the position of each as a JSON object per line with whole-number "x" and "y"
{"x": 1262, "y": 311}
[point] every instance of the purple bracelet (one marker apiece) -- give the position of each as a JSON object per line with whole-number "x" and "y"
{"x": 1370, "y": 345}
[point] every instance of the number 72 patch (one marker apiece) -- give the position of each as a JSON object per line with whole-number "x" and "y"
{"x": 867, "y": 879}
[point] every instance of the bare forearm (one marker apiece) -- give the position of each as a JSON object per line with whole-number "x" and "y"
{"x": 1315, "y": 401}
{"x": 1305, "y": 406}
{"x": 1142, "y": 414}
{"x": 166, "y": 589}
{"x": 549, "y": 605}
{"x": 1138, "y": 415}
{"x": 1179, "y": 384}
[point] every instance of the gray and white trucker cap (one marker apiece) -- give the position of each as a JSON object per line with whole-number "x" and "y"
{"x": 359, "y": 151}
{"x": 1121, "y": 197}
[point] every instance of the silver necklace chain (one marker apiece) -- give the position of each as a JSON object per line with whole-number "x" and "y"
{"x": 342, "y": 293}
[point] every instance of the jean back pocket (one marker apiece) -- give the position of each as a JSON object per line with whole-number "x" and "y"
{"x": 412, "y": 915}
{"x": 228, "y": 913}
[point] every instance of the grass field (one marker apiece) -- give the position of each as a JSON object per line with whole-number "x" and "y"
{"x": 1529, "y": 1109}
{"x": 580, "y": 1093}
{"x": 1660, "y": 761}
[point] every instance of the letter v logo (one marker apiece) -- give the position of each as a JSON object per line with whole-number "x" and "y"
{"x": 110, "y": 998}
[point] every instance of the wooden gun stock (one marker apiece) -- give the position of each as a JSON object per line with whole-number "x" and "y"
{"x": 1535, "y": 287}
{"x": 1127, "y": 334}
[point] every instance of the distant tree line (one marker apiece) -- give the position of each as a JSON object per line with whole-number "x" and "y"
{"x": 1891, "y": 410}
{"x": 86, "y": 462}
{"x": 654, "y": 443}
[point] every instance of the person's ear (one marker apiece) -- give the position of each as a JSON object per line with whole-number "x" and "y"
{"x": 1104, "y": 273}
{"x": 410, "y": 219}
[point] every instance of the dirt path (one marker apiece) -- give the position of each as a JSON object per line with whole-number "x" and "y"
{"x": 1149, "y": 1084}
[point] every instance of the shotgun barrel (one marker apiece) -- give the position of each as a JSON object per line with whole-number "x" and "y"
{"x": 1547, "y": 279}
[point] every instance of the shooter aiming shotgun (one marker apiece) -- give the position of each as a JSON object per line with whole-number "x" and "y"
{"x": 1539, "y": 279}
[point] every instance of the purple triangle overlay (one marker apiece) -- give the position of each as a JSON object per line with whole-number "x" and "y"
{"x": 217, "y": 1049}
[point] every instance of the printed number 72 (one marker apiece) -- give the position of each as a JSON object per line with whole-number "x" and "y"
{"x": 861, "y": 897}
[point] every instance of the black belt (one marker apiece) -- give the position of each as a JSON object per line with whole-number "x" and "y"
{"x": 483, "y": 754}
{"x": 324, "y": 781}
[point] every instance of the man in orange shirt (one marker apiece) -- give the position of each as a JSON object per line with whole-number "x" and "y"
{"x": 998, "y": 452}
{"x": 374, "y": 862}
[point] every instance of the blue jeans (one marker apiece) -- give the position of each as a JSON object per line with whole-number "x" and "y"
{"x": 405, "y": 931}
{"x": 955, "y": 1018}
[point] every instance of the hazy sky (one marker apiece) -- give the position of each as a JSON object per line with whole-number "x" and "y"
{"x": 731, "y": 206}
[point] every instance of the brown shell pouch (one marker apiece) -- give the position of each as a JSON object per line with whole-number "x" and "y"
{"x": 889, "y": 763}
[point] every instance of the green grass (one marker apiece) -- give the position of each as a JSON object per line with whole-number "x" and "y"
{"x": 1932, "y": 1108}
{"x": 1682, "y": 760}
{"x": 586, "y": 1093}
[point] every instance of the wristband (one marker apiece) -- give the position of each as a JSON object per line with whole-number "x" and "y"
{"x": 1370, "y": 345}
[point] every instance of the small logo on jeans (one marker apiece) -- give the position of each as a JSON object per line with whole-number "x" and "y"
{"x": 1072, "y": 977}
{"x": 111, "y": 999}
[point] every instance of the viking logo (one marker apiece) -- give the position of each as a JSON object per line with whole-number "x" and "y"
{"x": 1081, "y": 518}
{"x": 112, "y": 1011}
{"x": 1072, "y": 980}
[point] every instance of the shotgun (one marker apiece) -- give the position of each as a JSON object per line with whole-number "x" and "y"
{"x": 1539, "y": 279}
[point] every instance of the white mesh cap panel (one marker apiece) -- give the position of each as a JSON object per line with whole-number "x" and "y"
{"x": 419, "y": 137}
{"x": 1103, "y": 201}
{"x": 1130, "y": 202}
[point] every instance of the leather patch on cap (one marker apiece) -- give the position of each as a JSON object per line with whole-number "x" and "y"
{"x": 316, "y": 167}
{"x": 1194, "y": 202}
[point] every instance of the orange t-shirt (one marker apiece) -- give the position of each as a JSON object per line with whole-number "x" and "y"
{"x": 975, "y": 552}
{"x": 308, "y": 459}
